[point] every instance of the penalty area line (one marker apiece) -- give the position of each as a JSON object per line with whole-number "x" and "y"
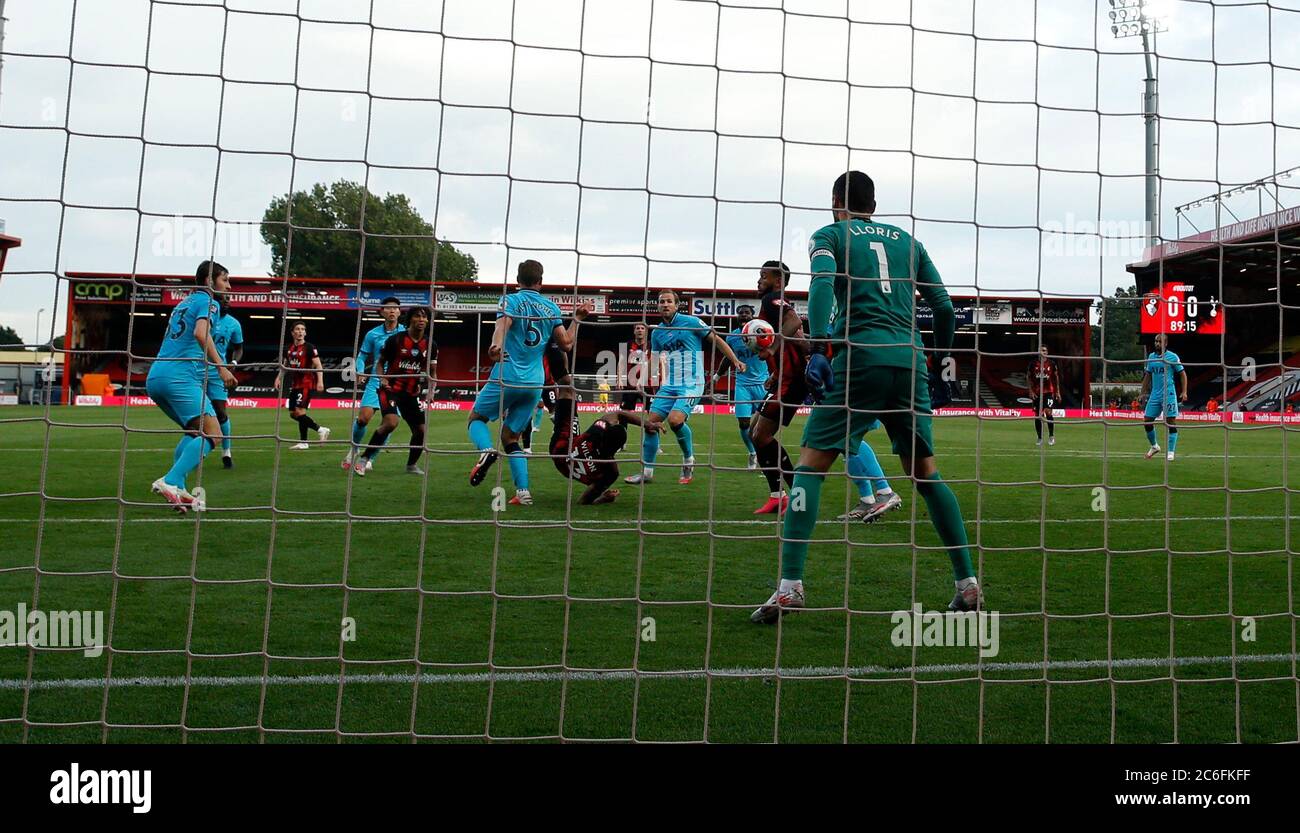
{"x": 541, "y": 676}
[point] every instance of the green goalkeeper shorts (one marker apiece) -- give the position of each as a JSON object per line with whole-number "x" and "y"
{"x": 897, "y": 396}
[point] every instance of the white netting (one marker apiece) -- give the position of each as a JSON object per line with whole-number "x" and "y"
{"x": 634, "y": 146}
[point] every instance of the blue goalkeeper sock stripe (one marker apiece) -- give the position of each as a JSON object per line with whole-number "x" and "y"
{"x": 747, "y": 440}
{"x": 358, "y": 432}
{"x": 225, "y": 435}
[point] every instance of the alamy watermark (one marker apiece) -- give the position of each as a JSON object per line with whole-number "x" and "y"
{"x": 193, "y": 237}
{"x": 1094, "y": 238}
{"x": 35, "y": 628}
{"x": 946, "y": 629}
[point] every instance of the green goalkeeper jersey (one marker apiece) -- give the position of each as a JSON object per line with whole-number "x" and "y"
{"x": 877, "y": 269}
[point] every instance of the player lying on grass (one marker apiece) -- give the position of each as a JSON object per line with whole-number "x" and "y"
{"x": 408, "y": 370}
{"x": 306, "y": 376}
{"x": 867, "y": 273}
{"x": 749, "y": 391}
{"x": 178, "y": 382}
{"x": 368, "y": 377}
{"x": 679, "y": 342}
{"x": 229, "y": 338}
{"x": 1162, "y": 394}
{"x": 526, "y": 323}
{"x": 588, "y": 456}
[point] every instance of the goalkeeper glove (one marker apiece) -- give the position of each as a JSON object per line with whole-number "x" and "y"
{"x": 819, "y": 376}
{"x": 940, "y": 393}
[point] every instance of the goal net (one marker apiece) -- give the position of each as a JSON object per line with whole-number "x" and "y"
{"x": 1109, "y": 183}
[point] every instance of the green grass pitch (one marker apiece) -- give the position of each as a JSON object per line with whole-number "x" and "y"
{"x": 1120, "y": 610}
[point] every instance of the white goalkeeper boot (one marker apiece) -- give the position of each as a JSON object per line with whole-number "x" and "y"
{"x": 969, "y": 596}
{"x": 781, "y": 602}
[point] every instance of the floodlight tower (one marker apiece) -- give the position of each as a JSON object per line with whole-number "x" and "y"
{"x": 1128, "y": 19}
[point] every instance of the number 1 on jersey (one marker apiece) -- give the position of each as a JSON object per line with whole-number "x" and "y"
{"x": 882, "y": 261}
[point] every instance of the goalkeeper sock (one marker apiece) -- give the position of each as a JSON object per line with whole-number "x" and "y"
{"x": 685, "y": 440}
{"x": 649, "y": 450}
{"x": 180, "y": 445}
{"x": 945, "y": 514}
{"x": 518, "y": 466}
{"x": 744, "y": 435}
{"x": 196, "y": 448}
{"x": 225, "y": 435}
{"x": 480, "y": 435}
{"x": 800, "y": 519}
{"x": 358, "y": 432}
{"x": 1151, "y": 435}
{"x": 1173, "y": 439}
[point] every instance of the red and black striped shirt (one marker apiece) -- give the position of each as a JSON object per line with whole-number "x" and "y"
{"x": 1044, "y": 378}
{"x": 794, "y": 354}
{"x": 405, "y": 362}
{"x": 299, "y": 359}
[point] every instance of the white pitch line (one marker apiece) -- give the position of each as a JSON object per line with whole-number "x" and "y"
{"x": 798, "y": 672}
{"x": 629, "y": 522}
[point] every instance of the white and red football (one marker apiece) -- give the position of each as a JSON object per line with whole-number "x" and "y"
{"x": 758, "y": 334}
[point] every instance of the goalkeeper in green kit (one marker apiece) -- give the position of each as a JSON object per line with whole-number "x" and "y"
{"x": 861, "y": 308}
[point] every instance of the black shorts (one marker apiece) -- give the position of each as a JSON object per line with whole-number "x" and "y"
{"x": 299, "y": 398}
{"x": 1046, "y": 402}
{"x": 403, "y": 404}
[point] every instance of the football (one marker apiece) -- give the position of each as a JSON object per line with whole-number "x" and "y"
{"x": 759, "y": 334}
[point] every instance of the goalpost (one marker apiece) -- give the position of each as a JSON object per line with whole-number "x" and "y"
{"x": 674, "y": 144}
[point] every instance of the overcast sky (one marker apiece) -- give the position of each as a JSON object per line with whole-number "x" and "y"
{"x": 626, "y": 117}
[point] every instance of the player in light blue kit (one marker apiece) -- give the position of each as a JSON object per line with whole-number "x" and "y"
{"x": 526, "y": 321}
{"x": 177, "y": 382}
{"x": 875, "y": 495}
{"x": 679, "y": 343}
{"x": 1164, "y": 385}
{"x": 229, "y": 336}
{"x": 367, "y": 357}
{"x": 749, "y": 392}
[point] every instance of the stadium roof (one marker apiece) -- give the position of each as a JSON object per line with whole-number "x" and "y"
{"x": 1250, "y": 245}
